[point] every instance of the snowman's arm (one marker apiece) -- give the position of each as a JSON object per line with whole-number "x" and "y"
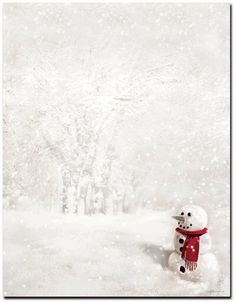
{"x": 205, "y": 243}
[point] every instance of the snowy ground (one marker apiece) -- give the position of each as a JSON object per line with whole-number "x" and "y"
{"x": 57, "y": 255}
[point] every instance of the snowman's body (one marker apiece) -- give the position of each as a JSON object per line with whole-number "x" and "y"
{"x": 179, "y": 239}
{"x": 193, "y": 218}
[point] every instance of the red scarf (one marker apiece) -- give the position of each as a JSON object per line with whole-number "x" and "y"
{"x": 190, "y": 250}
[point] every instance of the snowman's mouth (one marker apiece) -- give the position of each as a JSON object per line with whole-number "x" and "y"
{"x": 181, "y": 222}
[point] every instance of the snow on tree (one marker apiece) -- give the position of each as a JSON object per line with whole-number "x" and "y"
{"x": 108, "y": 114}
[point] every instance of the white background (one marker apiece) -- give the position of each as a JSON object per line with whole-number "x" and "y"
{"x": 233, "y": 85}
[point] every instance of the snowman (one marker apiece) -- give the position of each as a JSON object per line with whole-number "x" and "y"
{"x": 192, "y": 258}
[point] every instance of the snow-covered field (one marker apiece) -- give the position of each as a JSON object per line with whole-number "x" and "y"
{"x": 126, "y": 255}
{"x": 118, "y": 109}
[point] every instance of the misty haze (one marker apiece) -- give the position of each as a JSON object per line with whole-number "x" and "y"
{"x": 114, "y": 116}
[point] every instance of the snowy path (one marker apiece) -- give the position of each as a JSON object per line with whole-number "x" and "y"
{"x": 56, "y": 255}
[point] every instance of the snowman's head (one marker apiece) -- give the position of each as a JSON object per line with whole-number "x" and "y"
{"x": 191, "y": 217}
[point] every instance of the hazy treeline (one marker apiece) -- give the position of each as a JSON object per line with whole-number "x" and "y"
{"x": 105, "y": 111}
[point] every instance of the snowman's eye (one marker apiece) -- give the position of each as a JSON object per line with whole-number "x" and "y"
{"x": 189, "y": 214}
{"x": 182, "y": 214}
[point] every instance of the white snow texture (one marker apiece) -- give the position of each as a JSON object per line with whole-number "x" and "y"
{"x": 114, "y": 117}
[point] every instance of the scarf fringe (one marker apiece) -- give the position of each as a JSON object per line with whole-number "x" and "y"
{"x": 190, "y": 265}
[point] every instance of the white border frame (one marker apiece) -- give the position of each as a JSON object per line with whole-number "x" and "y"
{"x": 233, "y": 138}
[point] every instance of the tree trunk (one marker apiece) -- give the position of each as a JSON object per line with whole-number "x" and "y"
{"x": 77, "y": 197}
{"x": 65, "y": 180}
{"x": 64, "y": 200}
{"x": 83, "y": 199}
{"x": 123, "y": 204}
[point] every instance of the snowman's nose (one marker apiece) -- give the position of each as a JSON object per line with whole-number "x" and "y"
{"x": 179, "y": 218}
